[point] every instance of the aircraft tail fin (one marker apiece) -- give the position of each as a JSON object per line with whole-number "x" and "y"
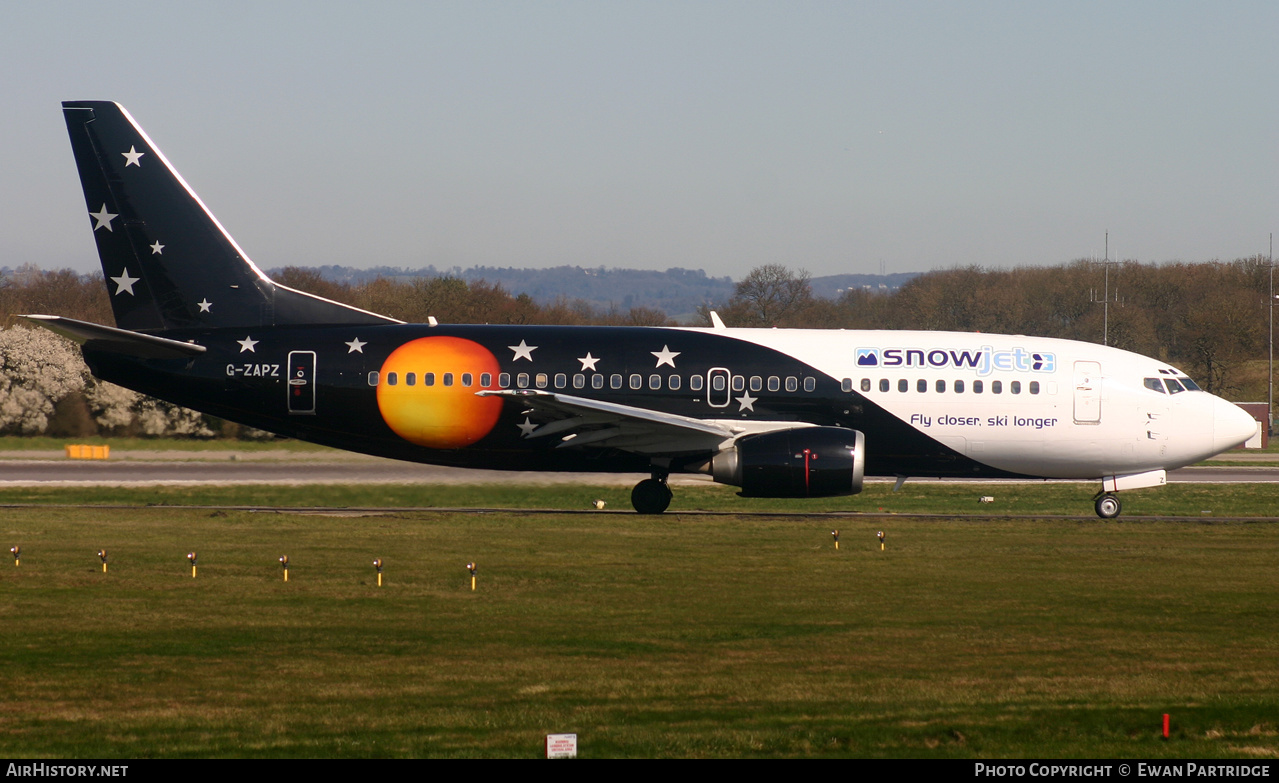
{"x": 168, "y": 262}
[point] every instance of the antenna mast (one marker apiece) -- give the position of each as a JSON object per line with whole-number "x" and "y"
{"x": 1105, "y": 302}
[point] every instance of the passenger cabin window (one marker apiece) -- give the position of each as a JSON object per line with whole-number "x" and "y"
{"x": 846, "y": 385}
{"x": 373, "y": 378}
{"x": 865, "y": 384}
{"x": 615, "y": 381}
{"x": 810, "y": 384}
{"x": 774, "y": 383}
{"x": 674, "y": 382}
{"x": 655, "y": 382}
{"x": 486, "y": 379}
{"x": 978, "y": 387}
{"x": 1015, "y": 387}
{"x": 521, "y": 380}
{"x": 792, "y": 383}
{"x": 448, "y": 379}
{"x": 637, "y": 381}
{"x": 597, "y": 381}
{"x": 428, "y": 379}
{"x": 561, "y": 380}
{"x": 884, "y": 385}
{"x": 996, "y": 387}
{"x": 579, "y": 381}
{"x": 757, "y": 383}
{"x": 392, "y": 379}
{"x": 739, "y": 382}
{"x": 410, "y": 378}
{"x": 921, "y": 386}
{"x": 959, "y": 387}
{"x": 504, "y": 380}
{"x": 941, "y": 387}
{"x": 695, "y": 382}
{"x": 1034, "y": 387}
{"x": 468, "y": 379}
{"x": 903, "y": 385}
{"x": 540, "y": 380}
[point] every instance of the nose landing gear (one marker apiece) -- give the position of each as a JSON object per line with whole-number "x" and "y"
{"x": 1108, "y": 506}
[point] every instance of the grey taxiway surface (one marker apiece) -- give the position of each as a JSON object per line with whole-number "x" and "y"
{"x": 24, "y": 468}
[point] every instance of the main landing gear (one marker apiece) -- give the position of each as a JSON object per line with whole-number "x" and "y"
{"x": 1108, "y": 506}
{"x": 651, "y": 496}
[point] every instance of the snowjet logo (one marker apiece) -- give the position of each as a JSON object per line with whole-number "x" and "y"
{"x": 984, "y": 360}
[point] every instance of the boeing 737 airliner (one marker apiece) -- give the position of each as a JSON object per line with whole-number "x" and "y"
{"x": 776, "y": 412}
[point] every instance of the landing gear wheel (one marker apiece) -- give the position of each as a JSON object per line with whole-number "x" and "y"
{"x": 1108, "y": 507}
{"x": 651, "y": 496}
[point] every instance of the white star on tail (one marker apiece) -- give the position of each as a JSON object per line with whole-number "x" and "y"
{"x": 104, "y": 219}
{"x": 204, "y": 305}
{"x": 522, "y": 351}
{"x": 747, "y": 402}
{"x": 356, "y": 346}
{"x": 588, "y": 362}
{"x": 124, "y": 282}
{"x": 247, "y": 344}
{"x": 157, "y": 249}
{"x": 665, "y": 356}
{"x": 131, "y": 157}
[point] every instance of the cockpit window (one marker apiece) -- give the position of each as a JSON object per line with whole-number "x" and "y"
{"x": 1154, "y": 385}
{"x": 1173, "y": 386}
{"x": 1189, "y": 384}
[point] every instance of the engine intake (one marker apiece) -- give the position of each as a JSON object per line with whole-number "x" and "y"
{"x": 804, "y": 462}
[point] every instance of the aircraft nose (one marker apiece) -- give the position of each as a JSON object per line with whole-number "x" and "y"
{"x": 1232, "y": 425}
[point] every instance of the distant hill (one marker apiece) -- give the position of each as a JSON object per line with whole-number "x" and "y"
{"x": 676, "y": 292}
{"x": 833, "y": 286}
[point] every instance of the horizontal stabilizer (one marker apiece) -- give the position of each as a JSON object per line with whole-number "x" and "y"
{"x": 122, "y": 341}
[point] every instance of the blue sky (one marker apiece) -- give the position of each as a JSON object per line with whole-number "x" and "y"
{"x": 834, "y": 137}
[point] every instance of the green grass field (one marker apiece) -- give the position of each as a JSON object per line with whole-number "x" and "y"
{"x": 1203, "y": 501}
{"x": 648, "y": 636}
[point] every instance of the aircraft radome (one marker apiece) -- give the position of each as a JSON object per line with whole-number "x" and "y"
{"x": 776, "y": 412}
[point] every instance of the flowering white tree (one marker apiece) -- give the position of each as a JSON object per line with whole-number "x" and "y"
{"x": 39, "y": 368}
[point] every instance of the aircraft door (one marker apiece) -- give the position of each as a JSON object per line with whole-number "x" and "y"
{"x": 1087, "y": 393}
{"x": 301, "y": 384}
{"x": 719, "y": 390}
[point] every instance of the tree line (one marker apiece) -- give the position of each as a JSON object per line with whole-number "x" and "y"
{"x": 1210, "y": 319}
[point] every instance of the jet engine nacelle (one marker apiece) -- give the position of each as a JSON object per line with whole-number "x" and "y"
{"x": 804, "y": 462}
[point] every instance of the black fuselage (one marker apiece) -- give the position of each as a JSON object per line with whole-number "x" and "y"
{"x": 252, "y": 386}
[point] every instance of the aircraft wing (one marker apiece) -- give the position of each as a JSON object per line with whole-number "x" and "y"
{"x": 580, "y": 422}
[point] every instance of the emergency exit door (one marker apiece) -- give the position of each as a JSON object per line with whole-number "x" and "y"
{"x": 301, "y": 384}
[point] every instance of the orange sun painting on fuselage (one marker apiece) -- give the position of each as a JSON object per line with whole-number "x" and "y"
{"x": 426, "y": 392}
